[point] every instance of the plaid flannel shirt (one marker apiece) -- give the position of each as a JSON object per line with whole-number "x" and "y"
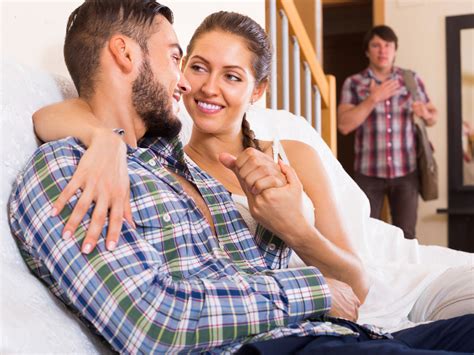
{"x": 171, "y": 285}
{"x": 385, "y": 144}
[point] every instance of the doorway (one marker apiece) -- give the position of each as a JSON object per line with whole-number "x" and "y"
{"x": 344, "y": 26}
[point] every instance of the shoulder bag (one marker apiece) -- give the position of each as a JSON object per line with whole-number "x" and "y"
{"x": 426, "y": 163}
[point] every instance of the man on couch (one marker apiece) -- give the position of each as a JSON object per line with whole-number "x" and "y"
{"x": 172, "y": 285}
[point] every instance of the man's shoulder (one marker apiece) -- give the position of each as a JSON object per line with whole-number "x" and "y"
{"x": 67, "y": 149}
{"x": 400, "y": 71}
{"x": 65, "y": 146}
{"x": 49, "y": 158}
{"x": 358, "y": 77}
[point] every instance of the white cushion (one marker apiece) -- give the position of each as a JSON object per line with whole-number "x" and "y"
{"x": 32, "y": 321}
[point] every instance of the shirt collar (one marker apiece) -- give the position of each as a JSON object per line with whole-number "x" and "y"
{"x": 168, "y": 149}
{"x": 393, "y": 74}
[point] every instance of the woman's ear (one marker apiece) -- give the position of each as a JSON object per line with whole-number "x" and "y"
{"x": 259, "y": 91}
{"x": 121, "y": 50}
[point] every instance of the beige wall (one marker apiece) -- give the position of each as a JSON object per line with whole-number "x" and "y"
{"x": 420, "y": 26}
{"x": 32, "y": 31}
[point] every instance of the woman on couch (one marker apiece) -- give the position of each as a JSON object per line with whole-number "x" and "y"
{"x": 228, "y": 65}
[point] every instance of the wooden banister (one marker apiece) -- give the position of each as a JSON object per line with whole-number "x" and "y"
{"x": 309, "y": 54}
{"x": 326, "y": 84}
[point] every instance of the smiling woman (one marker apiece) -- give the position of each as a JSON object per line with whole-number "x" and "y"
{"x": 222, "y": 81}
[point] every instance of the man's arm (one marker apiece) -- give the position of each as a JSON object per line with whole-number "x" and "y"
{"x": 350, "y": 116}
{"x": 129, "y": 294}
{"x": 423, "y": 107}
{"x": 427, "y": 111}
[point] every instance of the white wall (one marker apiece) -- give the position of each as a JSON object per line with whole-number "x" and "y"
{"x": 420, "y": 27}
{"x": 33, "y": 31}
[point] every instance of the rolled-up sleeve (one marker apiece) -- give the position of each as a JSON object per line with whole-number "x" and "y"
{"x": 349, "y": 93}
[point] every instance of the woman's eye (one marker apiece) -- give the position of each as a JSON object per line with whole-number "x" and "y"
{"x": 232, "y": 77}
{"x": 197, "y": 68}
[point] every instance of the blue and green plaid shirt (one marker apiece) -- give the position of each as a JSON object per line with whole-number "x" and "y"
{"x": 171, "y": 284}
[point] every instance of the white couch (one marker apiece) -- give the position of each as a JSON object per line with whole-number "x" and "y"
{"x": 32, "y": 321}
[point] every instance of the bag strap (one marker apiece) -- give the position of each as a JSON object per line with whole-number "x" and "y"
{"x": 412, "y": 87}
{"x": 410, "y": 82}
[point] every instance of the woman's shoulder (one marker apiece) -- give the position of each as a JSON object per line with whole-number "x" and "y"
{"x": 294, "y": 147}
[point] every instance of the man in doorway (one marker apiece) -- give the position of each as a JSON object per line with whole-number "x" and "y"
{"x": 377, "y": 105}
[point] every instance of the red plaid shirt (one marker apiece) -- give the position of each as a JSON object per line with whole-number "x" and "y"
{"x": 385, "y": 143}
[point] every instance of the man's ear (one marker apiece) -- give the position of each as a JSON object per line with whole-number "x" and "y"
{"x": 259, "y": 91}
{"x": 122, "y": 51}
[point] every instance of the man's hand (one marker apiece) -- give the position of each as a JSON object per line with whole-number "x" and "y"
{"x": 345, "y": 303}
{"x": 425, "y": 111}
{"x": 102, "y": 175}
{"x": 383, "y": 91}
{"x": 255, "y": 170}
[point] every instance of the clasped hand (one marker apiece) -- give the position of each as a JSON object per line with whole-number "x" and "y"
{"x": 274, "y": 191}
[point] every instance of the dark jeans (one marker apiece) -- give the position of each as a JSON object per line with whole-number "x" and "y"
{"x": 450, "y": 336}
{"x": 402, "y": 196}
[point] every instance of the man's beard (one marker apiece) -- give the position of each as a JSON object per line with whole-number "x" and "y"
{"x": 152, "y": 103}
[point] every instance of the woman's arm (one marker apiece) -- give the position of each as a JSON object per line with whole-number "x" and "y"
{"x": 102, "y": 173}
{"x": 335, "y": 255}
{"x": 72, "y": 117}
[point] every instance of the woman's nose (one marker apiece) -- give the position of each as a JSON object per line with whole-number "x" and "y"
{"x": 209, "y": 87}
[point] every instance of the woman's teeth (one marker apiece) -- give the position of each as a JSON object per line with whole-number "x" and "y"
{"x": 207, "y": 106}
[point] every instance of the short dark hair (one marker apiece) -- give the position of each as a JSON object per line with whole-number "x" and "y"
{"x": 384, "y": 32}
{"x": 92, "y": 24}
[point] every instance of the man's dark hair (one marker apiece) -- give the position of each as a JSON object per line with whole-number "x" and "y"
{"x": 384, "y": 32}
{"x": 92, "y": 24}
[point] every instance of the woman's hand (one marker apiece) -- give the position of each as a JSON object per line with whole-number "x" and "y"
{"x": 102, "y": 175}
{"x": 280, "y": 209}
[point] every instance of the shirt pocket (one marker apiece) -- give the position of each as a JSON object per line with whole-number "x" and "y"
{"x": 363, "y": 92}
{"x": 155, "y": 206}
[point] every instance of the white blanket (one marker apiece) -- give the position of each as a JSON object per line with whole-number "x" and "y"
{"x": 400, "y": 269}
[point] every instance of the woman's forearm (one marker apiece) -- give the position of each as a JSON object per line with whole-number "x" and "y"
{"x": 68, "y": 118}
{"x": 333, "y": 261}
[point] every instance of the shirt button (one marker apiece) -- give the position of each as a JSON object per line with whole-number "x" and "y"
{"x": 166, "y": 217}
{"x": 389, "y": 130}
{"x": 387, "y": 102}
{"x": 271, "y": 246}
{"x": 151, "y": 162}
{"x": 389, "y": 144}
{"x": 389, "y": 116}
{"x": 389, "y": 158}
